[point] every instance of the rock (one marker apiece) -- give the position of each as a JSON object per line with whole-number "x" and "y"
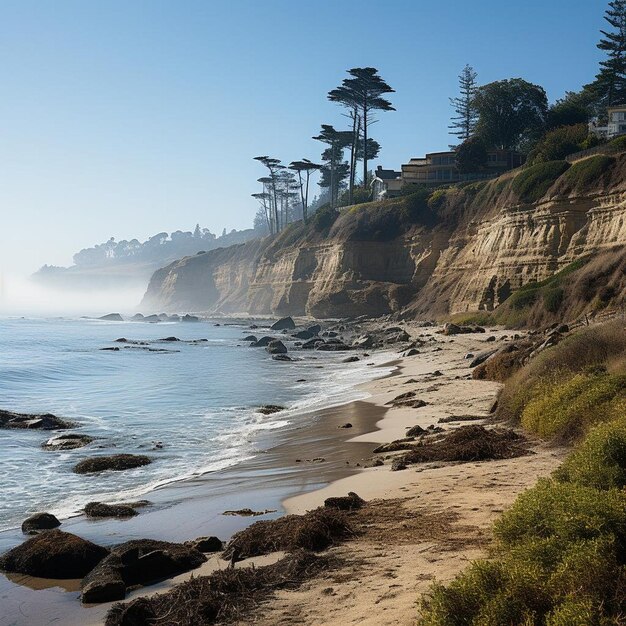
{"x": 276, "y": 347}
{"x": 39, "y": 421}
{"x": 281, "y": 357}
{"x": 469, "y": 355}
{"x": 451, "y": 329}
{"x": 152, "y": 318}
{"x": 53, "y": 554}
{"x": 316, "y": 329}
{"x": 364, "y": 341}
{"x": 312, "y": 343}
{"x": 332, "y": 347}
{"x": 400, "y": 337}
{"x": 173, "y": 318}
{"x": 269, "y": 409}
{"x": 351, "y": 359}
{"x": 563, "y": 328}
{"x": 285, "y": 323}
{"x": 206, "y": 544}
{"x": 137, "y": 317}
{"x": 38, "y": 522}
{"x": 170, "y": 339}
{"x": 100, "y": 509}
{"x": 248, "y": 512}
{"x": 116, "y": 462}
{"x": 112, "y": 317}
{"x": 398, "y": 465}
{"x": 111, "y": 349}
{"x": 378, "y": 463}
{"x": 190, "y": 318}
{"x": 346, "y": 425}
{"x": 263, "y": 342}
{"x": 303, "y": 334}
{"x": 67, "y": 442}
{"x": 412, "y": 352}
{"x": 345, "y": 503}
{"x": 136, "y": 563}
{"x": 490, "y": 338}
{"x": 250, "y": 338}
{"x": 415, "y": 431}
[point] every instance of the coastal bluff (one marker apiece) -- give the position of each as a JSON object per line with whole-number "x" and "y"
{"x": 463, "y": 248}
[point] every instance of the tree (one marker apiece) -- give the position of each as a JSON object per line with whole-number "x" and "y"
{"x": 610, "y": 83}
{"x": 332, "y": 173}
{"x": 471, "y": 155}
{"x": 509, "y": 111}
{"x": 197, "y": 233}
{"x": 556, "y": 144}
{"x": 308, "y": 168}
{"x": 363, "y": 92}
{"x": 464, "y": 122}
{"x": 273, "y": 166}
{"x": 570, "y": 110}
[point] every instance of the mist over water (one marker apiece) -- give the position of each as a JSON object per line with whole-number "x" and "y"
{"x": 22, "y": 295}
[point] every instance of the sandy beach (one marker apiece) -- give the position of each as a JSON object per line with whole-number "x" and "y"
{"x": 423, "y": 523}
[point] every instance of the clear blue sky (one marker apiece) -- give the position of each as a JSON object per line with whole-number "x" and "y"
{"x": 126, "y": 118}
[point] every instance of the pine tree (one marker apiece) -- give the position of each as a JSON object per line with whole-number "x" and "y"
{"x": 464, "y": 122}
{"x": 610, "y": 83}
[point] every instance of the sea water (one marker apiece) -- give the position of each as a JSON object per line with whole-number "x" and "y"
{"x": 192, "y": 409}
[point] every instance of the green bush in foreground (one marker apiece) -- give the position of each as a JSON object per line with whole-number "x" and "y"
{"x": 533, "y": 182}
{"x": 600, "y": 460}
{"x": 566, "y": 408}
{"x": 584, "y": 174}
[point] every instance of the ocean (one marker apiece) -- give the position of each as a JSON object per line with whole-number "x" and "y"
{"x": 191, "y": 408}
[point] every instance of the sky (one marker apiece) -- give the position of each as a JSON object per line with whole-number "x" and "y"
{"x": 124, "y": 118}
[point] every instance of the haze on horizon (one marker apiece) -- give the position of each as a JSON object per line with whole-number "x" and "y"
{"x": 126, "y": 119}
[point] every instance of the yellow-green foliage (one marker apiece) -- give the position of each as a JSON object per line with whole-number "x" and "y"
{"x": 565, "y": 408}
{"x": 600, "y": 460}
{"x": 533, "y": 182}
{"x": 584, "y": 174}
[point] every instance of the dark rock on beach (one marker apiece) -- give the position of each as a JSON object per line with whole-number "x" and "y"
{"x": 189, "y": 318}
{"x": 351, "y": 359}
{"x": 269, "y": 409}
{"x": 112, "y": 317}
{"x": 345, "y": 503}
{"x": 100, "y": 509}
{"x": 281, "y": 357}
{"x": 39, "y": 421}
{"x": 303, "y": 334}
{"x": 206, "y": 544}
{"x": 53, "y": 554}
{"x": 276, "y": 347}
{"x": 116, "y": 462}
{"x": 285, "y": 323}
{"x": 250, "y": 338}
{"x": 263, "y": 342}
{"x": 316, "y": 329}
{"x": 38, "y": 522}
{"x": 134, "y": 563}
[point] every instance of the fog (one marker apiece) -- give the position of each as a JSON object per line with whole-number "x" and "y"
{"x": 20, "y": 295}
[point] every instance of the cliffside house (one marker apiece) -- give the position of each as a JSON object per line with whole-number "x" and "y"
{"x": 615, "y": 126}
{"x": 437, "y": 168}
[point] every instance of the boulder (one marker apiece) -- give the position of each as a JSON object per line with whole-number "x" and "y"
{"x": 276, "y": 347}
{"x": 67, "y": 442}
{"x": 346, "y": 425}
{"x": 136, "y": 563}
{"x": 39, "y": 421}
{"x": 345, "y": 503}
{"x": 316, "y": 329}
{"x": 332, "y": 347}
{"x": 173, "y": 318}
{"x": 350, "y": 359}
{"x": 115, "y": 462}
{"x": 482, "y": 357}
{"x": 137, "y": 317}
{"x": 170, "y": 339}
{"x": 152, "y": 318}
{"x": 364, "y": 341}
{"x": 312, "y": 343}
{"x": 415, "y": 431}
{"x": 412, "y": 352}
{"x": 400, "y": 337}
{"x": 250, "y": 338}
{"x": 285, "y": 323}
{"x": 398, "y": 465}
{"x": 269, "y": 409}
{"x": 100, "y": 509}
{"x": 206, "y": 544}
{"x": 190, "y": 318}
{"x": 112, "y": 317}
{"x": 263, "y": 342}
{"x": 303, "y": 334}
{"x": 281, "y": 357}
{"x": 38, "y": 522}
{"x": 53, "y": 554}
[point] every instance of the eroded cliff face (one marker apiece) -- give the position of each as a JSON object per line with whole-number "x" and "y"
{"x": 483, "y": 244}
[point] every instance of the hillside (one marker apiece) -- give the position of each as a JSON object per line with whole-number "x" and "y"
{"x": 455, "y": 250}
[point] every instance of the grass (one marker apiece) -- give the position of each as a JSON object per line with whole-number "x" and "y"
{"x": 588, "y": 172}
{"x": 532, "y": 183}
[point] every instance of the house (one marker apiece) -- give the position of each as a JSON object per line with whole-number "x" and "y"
{"x": 616, "y": 123}
{"x": 386, "y": 183}
{"x": 437, "y": 168}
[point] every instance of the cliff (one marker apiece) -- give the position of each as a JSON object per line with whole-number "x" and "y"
{"x": 463, "y": 248}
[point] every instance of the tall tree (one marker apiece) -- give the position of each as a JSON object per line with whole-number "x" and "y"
{"x": 610, "y": 83}
{"x": 337, "y": 141}
{"x": 273, "y": 166}
{"x": 307, "y": 167}
{"x": 463, "y": 123}
{"x": 509, "y": 111}
{"x": 364, "y": 89}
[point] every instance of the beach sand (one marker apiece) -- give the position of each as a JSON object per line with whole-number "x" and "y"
{"x": 426, "y": 522}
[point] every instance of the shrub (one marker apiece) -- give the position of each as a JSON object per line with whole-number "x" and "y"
{"x": 325, "y": 217}
{"x": 558, "y": 143}
{"x": 565, "y": 408}
{"x": 600, "y": 460}
{"x": 588, "y": 172}
{"x": 533, "y": 182}
{"x": 617, "y": 145}
{"x": 552, "y": 299}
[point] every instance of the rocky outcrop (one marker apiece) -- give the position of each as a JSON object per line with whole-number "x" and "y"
{"x": 481, "y": 242}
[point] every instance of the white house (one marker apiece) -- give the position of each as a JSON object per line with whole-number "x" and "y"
{"x": 616, "y": 123}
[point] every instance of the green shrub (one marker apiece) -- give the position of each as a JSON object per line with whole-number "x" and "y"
{"x": 584, "y": 174}
{"x": 533, "y": 182}
{"x": 565, "y": 513}
{"x": 414, "y": 207}
{"x": 565, "y": 408}
{"x": 617, "y": 145}
{"x": 600, "y": 460}
{"x": 574, "y": 611}
{"x": 553, "y": 298}
{"x": 558, "y": 143}
{"x": 324, "y": 217}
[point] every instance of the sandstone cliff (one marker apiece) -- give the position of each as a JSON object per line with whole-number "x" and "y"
{"x": 459, "y": 249}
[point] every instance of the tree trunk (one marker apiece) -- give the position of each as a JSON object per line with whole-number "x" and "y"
{"x": 365, "y": 106}
{"x": 353, "y": 153}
